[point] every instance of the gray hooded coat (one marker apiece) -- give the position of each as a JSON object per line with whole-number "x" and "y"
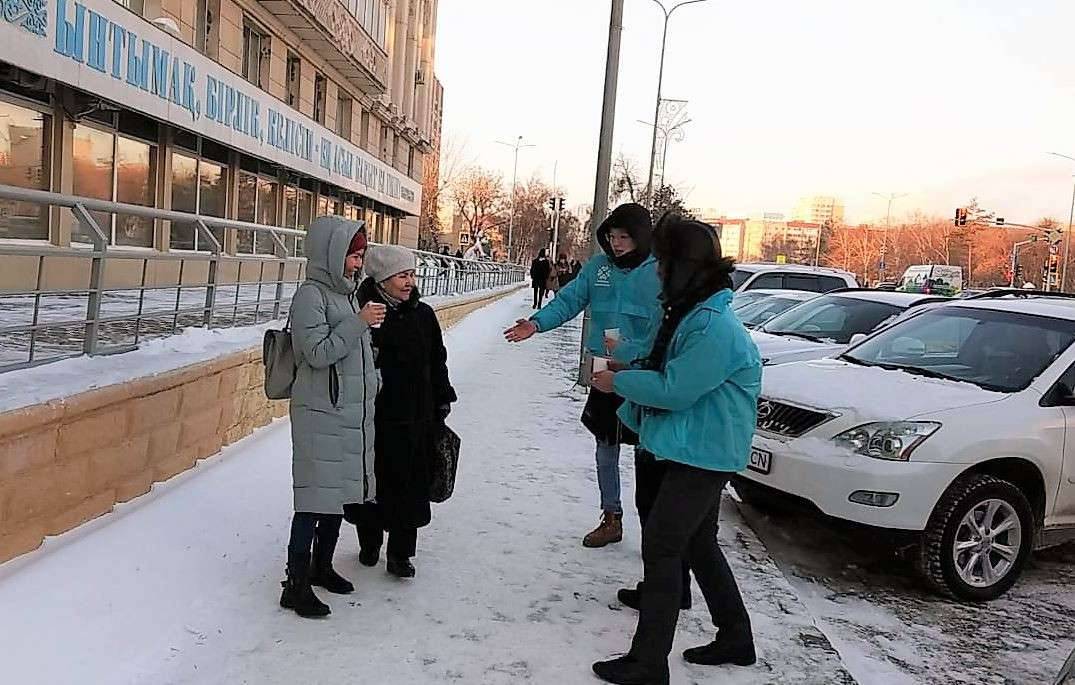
{"x": 336, "y": 383}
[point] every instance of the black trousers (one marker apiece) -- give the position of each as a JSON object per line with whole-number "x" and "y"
{"x": 321, "y": 531}
{"x": 402, "y": 541}
{"x": 649, "y": 473}
{"x": 683, "y": 522}
{"x": 539, "y": 296}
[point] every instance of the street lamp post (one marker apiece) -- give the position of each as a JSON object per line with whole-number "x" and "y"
{"x": 660, "y": 83}
{"x": 890, "y": 197}
{"x": 1067, "y": 238}
{"x": 514, "y": 179}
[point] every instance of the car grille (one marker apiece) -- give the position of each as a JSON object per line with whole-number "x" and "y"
{"x": 788, "y": 420}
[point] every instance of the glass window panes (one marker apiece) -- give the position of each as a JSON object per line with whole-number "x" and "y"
{"x": 256, "y": 45}
{"x": 184, "y": 198}
{"x": 247, "y": 211}
{"x": 294, "y": 74}
{"x": 24, "y": 153}
{"x": 93, "y": 152}
{"x": 320, "y": 97}
{"x": 344, "y": 106}
{"x": 136, "y": 171}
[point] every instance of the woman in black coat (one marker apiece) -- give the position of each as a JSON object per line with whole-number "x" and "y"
{"x": 415, "y": 398}
{"x": 540, "y": 270}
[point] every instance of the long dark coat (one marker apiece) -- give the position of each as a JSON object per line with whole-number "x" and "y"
{"x": 540, "y": 270}
{"x": 412, "y": 360}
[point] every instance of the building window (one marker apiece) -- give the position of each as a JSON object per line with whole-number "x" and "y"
{"x": 199, "y": 186}
{"x": 257, "y": 204}
{"x": 298, "y": 212}
{"x": 373, "y": 16}
{"x": 410, "y": 162}
{"x": 206, "y": 37}
{"x": 111, "y": 167}
{"x": 136, "y": 6}
{"x": 256, "y": 51}
{"x": 344, "y": 105}
{"x": 364, "y": 134}
{"x": 320, "y": 97}
{"x": 24, "y": 154}
{"x": 294, "y": 77}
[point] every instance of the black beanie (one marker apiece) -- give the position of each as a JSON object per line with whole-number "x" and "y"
{"x": 635, "y": 219}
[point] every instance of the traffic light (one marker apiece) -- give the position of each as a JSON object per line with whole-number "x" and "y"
{"x": 961, "y": 216}
{"x": 1000, "y": 221}
{"x": 562, "y": 203}
{"x": 552, "y": 203}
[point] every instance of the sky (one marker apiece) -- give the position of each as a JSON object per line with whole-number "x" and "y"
{"x": 941, "y": 100}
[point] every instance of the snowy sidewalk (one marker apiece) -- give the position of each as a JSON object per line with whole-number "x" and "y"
{"x": 182, "y": 587}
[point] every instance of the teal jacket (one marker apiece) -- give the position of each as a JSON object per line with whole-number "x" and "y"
{"x": 701, "y": 409}
{"x": 617, "y": 298}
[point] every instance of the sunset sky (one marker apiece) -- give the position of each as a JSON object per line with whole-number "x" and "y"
{"x": 941, "y": 99}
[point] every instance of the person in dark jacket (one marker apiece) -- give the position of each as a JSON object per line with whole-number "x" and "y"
{"x": 540, "y": 270}
{"x": 693, "y": 401}
{"x": 563, "y": 271}
{"x": 415, "y": 399}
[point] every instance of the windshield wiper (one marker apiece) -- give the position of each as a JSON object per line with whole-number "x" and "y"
{"x": 792, "y": 334}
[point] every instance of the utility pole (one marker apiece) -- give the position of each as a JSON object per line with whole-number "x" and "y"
{"x": 660, "y": 83}
{"x": 514, "y": 179}
{"x": 890, "y": 197}
{"x": 604, "y": 155}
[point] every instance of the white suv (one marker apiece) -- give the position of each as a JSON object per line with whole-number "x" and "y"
{"x": 815, "y": 279}
{"x": 956, "y": 423}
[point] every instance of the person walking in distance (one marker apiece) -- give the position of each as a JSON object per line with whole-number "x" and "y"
{"x": 415, "y": 399}
{"x": 693, "y": 403}
{"x": 620, "y": 287}
{"x": 563, "y": 271}
{"x": 540, "y": 270}
{"x": 332, "y": 406}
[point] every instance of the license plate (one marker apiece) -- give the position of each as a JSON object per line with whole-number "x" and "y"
{"x": 760, "y": 461}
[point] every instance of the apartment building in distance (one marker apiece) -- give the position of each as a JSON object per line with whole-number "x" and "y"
{"x": 819, "y": 209}
{"x": 273, "y": 112}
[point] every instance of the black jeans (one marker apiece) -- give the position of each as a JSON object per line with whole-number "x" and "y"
{"x": 683, "y": 522}
{"x": 402, "y": 541}
{"x": 649, "y": 473}
{"x": 321, "y": 531}
{"x": 539, "y": 297}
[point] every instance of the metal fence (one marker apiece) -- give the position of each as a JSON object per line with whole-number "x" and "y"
{"x": 100, "y": 299}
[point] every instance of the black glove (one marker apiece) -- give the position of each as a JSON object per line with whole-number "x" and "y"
{"x": 443, "y": 411}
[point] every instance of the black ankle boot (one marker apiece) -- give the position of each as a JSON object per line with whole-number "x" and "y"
{"x": 632, "y": 598}
{"x": 369, "y": 557}
{"x": 727, "y": 651}
{"x": 401, "y": 568}
{"x": 321, "y": 572}
{"x": 299, "y": 596}
{"x": 627, "y": 671}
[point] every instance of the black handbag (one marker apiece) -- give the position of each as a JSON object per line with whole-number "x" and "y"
{"x": 445, "y": 463}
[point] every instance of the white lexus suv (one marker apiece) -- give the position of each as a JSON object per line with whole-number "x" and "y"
{"x": 956, "y": 423}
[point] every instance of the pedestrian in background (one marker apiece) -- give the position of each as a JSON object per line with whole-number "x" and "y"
{"x": 694, "y": 403}
{"x": 332, "y": 406}
{"x": 540, "y": 271}
{"x": 415, "y": 399}
{"x": 563, "y": 271}
{"x": 620, "y": 287}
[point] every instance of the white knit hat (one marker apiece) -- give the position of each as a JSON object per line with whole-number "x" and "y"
{"x": 385, "y": 261}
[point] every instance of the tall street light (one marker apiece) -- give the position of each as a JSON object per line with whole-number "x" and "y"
{"x": 517, "y": 145}
{"x": 660, "y": 82}
{"x": 1067, "y": 238}
{"x": 890, "y": 197}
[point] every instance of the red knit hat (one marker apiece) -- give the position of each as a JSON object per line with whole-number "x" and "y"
{"x": 358, "y": 243}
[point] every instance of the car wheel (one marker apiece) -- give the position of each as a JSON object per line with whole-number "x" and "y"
{"x": 978, "y": 539}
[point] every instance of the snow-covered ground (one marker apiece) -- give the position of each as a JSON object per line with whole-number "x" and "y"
{"x": 191, "y": 346}
{"x": 892, "y": 632}
{"x": 181, "y": 586}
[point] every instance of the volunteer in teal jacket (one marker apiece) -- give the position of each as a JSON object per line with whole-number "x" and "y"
{"x": 693, "y": 402}
{"x": 621, "y": 288}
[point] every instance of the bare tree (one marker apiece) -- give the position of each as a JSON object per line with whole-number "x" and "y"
{"x": 439, "y": 173}
{"x": 477, "y": 196}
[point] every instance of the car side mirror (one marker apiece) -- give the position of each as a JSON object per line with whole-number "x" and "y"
{"x": 857, "y": 338}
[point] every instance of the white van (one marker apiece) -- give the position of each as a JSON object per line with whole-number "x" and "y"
{"x": 932, "y": 279}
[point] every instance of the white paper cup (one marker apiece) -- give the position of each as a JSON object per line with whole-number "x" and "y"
{"x": 383, "y": 309}
{"x": 600, "y": 364}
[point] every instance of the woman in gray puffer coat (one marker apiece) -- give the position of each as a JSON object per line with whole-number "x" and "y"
{"x": 332, "y": 406}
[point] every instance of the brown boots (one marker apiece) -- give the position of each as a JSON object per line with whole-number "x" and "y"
{"x": 610, "y": 530}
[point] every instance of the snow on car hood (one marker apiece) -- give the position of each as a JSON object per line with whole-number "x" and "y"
{"x": 868, "y": 393}
{"x": 781, "y": 349}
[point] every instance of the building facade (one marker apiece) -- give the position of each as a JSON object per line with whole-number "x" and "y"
{"x": 819, "y": 209}
{"x": 272, "y": 112}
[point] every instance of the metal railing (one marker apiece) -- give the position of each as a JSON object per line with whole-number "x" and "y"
{"x": 100, "y": 299}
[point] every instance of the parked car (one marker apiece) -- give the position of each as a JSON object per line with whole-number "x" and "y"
{"x": 826, "y": 325}
{"x": 760, "y": 311}
{"x": 790, "y": 277}
{"x": 932, "y": 279}
{"x": 748, "y": 297}
{"x": 954, "y": 424}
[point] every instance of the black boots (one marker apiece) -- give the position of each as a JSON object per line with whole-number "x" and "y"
{"x": 627, "y": 671}
{"x": 299, "y": 596}
{"x": 632, "y": 598}
{"x": 727, "y": 651}
{"x": 321, "y": 572}
{"x": 369, "y": 556}
{"x": 400, "y": 568}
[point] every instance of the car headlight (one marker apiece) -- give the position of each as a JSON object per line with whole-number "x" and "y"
{"x": 894, "y": 440}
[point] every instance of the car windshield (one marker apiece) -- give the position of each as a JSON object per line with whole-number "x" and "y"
{"x": 757, "y": 313}
{"x": 831, "y": 318}
{"x": 739, "y": 277}
{"x": 996, "y": 350}
{"x": 745, "y": 299}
